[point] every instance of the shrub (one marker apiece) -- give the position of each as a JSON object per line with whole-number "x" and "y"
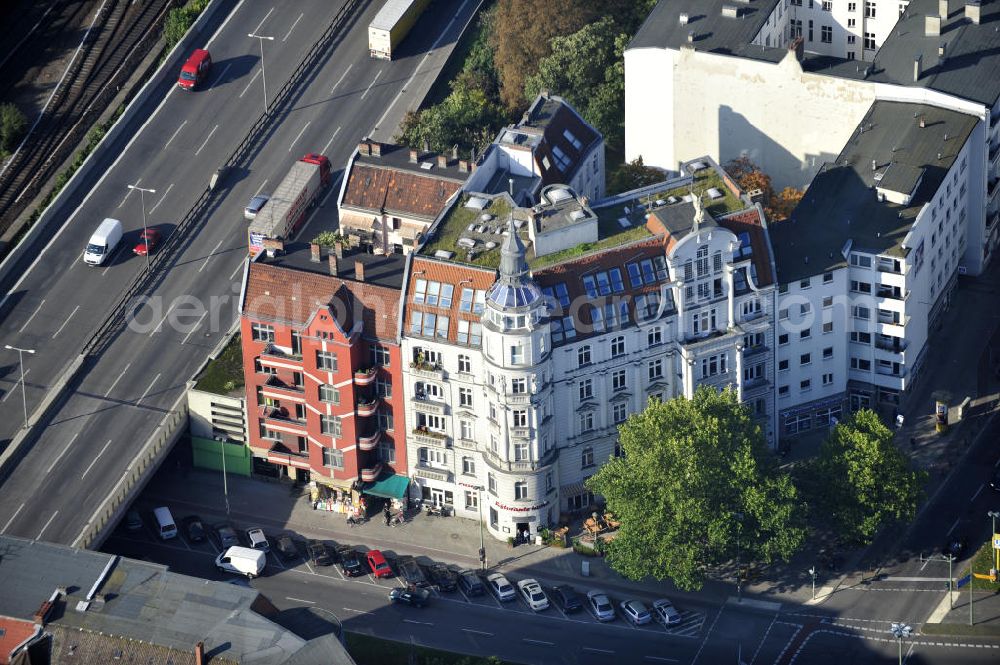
{"x": 12, "y": 126}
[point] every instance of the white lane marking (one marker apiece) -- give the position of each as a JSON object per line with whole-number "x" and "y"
{"x": 916, "y": 579}
{"x": 37, "y": 309}
{"x": 416, "y": 71}
{"x": 257, "y": 29}
{"x": 260, "y": 188}
{"x": 146, "y": 392}
{"x": 295, "y": 140}
{"x": 94, "y": 461}
{"x": 207, "y": 138}
{"x": 542, "y": 643}
{"x": 219, "y": 29}
{"x": 250, "y": 83}
{"x": 596, "y": 650}
{"x": 160, "y": 324}
{"x": 196, "y": 326}
{"x": 128, "y": 193}
{"x": 662, "y": 659}
{"x": 12, "y": 518}
{"x": 59, "y": 456}
{"x": 157, "y": 205}
{"x": 300, "y": 600}
{"x": 341, "y": 79}
{"x": 293, "y": 27}
{"x": 174, "y": 135}
{"x": 952, "y": 528}
{"x": 39, "y": 536}
{"x": 977, "y": 493}
{"x": 117, "y": 380}
{"x": 419, "y": 623}
{"x": 330, "y": 141}
{"x": 368, "y": 89}
{"x": 239, "y": 267}
{"x": 14, "y": 389}
{"x": 477, "y": 632}
{"x": 219, "y": 78}
{"x": 350, "y": 609}
{"x": 209, "y": 257}
{"x": 56, "y": 333}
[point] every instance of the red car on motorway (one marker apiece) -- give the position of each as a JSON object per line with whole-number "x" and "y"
{"x": 380, "y": 567}
{"x": 148, "y": 240}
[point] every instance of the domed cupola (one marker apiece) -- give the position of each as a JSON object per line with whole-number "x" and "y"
{"x": 514, "y": 289}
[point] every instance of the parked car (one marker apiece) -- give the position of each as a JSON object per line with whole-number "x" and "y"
{"x": 413, "y": 596}
{"x": 350, "y": 562}
{"x": 194, "y": 528}
{"x": 600, "y": 605}
{"x": 533, "y": 595}
{"x": 133, "y": 520}
{"x": 410, "y": 571}
{"x": 664, "y": 612}
{"x": 635, "y": 611}
{"x": 443, "y": 577}
{"x": 227, "y": 536}
{"x": 470, "y": 583}
{"x": 148, "y": 240}
{"x": 256, "y": 203}
{"x": 380, "y": 567}
{"x": 500, "y": 587}
{"x": 286, "y": 547}
{"x": 567, "y": 599}
{"x": 319, "y": 553}
{"x": 257, "y": 539}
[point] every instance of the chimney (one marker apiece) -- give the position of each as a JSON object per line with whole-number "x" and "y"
{"x": 943, "y": 52}
{"x": 274, "y": 246}
{"x": 365, "y": 148}
{"x": 43, "y": 612}
{"x": 874, "y": 165}
{"x": 690, "y": 36}
{"x": 463, "y": 166}
{"x": 338, "y": 250}
{"x": 932, "y": 26}
{"x": 314, "y": 252}
{"x": 359, "y": 270}
{"x": 332, "y": 260}
{"x": 684, "y": 18}
{"x": 923, "y": 123}
{"x": 199, "y": 653}
{"x": 917, "y": 67}
{"x": 943, "y": 9}
{"x": 413, "y": 156}
{"x": 972, "y": 9}
{"x": 376, "y": 149}
{"x": 798, "y": 46}
{"x": 442, "y": 161}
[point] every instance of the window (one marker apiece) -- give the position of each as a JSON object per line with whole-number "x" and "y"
{"x": 805, "y": 334}
{"x": 326, "y": 361}
{"x": 491, "y": 484}
{"x": 753, "y": 373}
{"x": 383, "y": 387}
{"x": 870, "y": 45}
{"x": 470, "y": 333}
{"x": 827, "y": 301}
{"x": 433, "y": 293}
{"x": 619, "y": 412}
{"x": 586, "y": 389}
{"x": 805, "y": 384}
{"x": 586, "y": 421}
{"x": 583, "y": 356}
{"x": 471, "y": 500}
{"x": 650, "y": 271}
{"x": 379, "y": 355}
{"x": 329, "y": 394}
{"x": 465, "y": 397}
{"x": 520, "y": 417}
{"x": 465, "y": 430}
{"x": 870, "y": 8}
{"x": 464, "y": 364}
{"x": 475, "y": 300}
{"x": 517, "y": 355}
{"x": 805, "y": 358}
{"x": 827, "y": 327}
{"x": 796, "y": 28}
{"x": 587, "y": 457}
{"x": 861, "y": 312}
{"x": 385, "y": 420}
{"x": 617, "y": 347}
{"x": 521, "y": 451}
{"x": 713, "y": 365}
{"x": 329, "y": 425}
{"x": 387, "y": 451}
{"x": 654, "y": 336}
{"x": 520, "y": 490}
{"x": 826, "y": 34}
{"x": 783, "y": 314}
{"x": 563, "y": 328}
{"x": 809, "y": 36}
{"x": 618, "y": 380}
{"x": 827, "y": 5}
{"x": 262, "y": 332}
{"x": 827, "y": 353}
{"x": 782, "y": 391}
{"x": 333, "y": 459}
{"x": 861, "y": 337}
{"x": 860, "y": 287}
{"x": 861, "y": 364}
{"x": 782, "y": 339}
{"x": 851, "y": 39}
{"x": 654, "y": 369}
{"x": 852, "y": 6}
{"x": 428, "y": 324}
{"x": 519, "y": 386}
{"x": 556, "y": 293}
{"x": 782, "y": 365}
{"x": 604, "y": 283}
{"x": 828, "y": 379}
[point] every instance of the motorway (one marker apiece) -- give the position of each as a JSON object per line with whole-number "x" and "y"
{"x": 58, "y": 301}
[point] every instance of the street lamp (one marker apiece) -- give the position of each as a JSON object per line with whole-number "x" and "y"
{"x": 899, "y": 631}
{"x": 20, "y": 361}
{"x": 263, "y": 77}
{"x": 482, "y": 539}
{"x": 225, "y": 484}
{"x": 142, "y": 201}
{"x": 812, "y": 572}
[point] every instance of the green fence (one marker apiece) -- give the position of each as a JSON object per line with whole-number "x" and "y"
{"x": 207, "y": 456}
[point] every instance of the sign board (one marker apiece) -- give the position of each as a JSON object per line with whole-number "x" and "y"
{"x": 962, "y": 581}
{"x": 996, "y": 541}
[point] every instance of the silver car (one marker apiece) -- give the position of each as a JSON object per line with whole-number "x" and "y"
{"x": 635, "y": 611}
{"x": 664, "y": 612}
{"x": 256, "y": 203}
{"x": 600, "y": 605}
{"x": 258, "y": 541}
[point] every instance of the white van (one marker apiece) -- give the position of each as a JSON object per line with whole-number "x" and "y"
{"x": 242, "y": 561}
{"x": 103, "y": 243}
{"x": 165, "y": 524}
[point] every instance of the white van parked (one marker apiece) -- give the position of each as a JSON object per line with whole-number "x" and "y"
{"x": 165, "y": 524}
{"x": 103, "y": 243}
{"x": 242, "y": 561}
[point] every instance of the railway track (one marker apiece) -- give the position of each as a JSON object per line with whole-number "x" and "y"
{"x": 119, "y": 36}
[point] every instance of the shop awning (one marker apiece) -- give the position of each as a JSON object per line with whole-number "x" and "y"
{"x": 391, "y": 486}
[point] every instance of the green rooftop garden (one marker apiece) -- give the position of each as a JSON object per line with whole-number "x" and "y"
{"x": 451, "y": 228}
{"x": 224, "y": 375}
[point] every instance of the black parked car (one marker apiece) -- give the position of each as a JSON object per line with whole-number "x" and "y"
{"x": 413, "y": 596}
{"x": 194, "y": 528}
{"x": 444, "y": 577}
{"x": 286, "y": 547}
{"x": 566, "y": 598}
{"x": 319, "y": 553}
{"x": 470, "y": 583}
{"x": 410, "y": 571}
{"x": 350, "y": 562}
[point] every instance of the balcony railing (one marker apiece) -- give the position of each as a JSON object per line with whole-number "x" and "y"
{"x": 893, "y": 292}
{"x": 427, "y": 404}
{"x": 889, "y": 265}
{"x": 370, "y": 442}
{"x": 280, "y": 415}
{"x": 371, "y": 474}
{"x": 367, "y": 408}
{"x": 897, "y": 346}
{"x": 274, "y": 383}
{"x": 430, "y": 438}
{"x": 364, "y": 377}
{"x": 424, "y": 471}
{"x": 273, "y": 351}
{"x": 755, "y": 383}
{"x": 754, "y": 350}
{"x": 427, "y": 370}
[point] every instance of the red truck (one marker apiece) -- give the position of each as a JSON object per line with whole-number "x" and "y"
{"x": 285, "y": 211}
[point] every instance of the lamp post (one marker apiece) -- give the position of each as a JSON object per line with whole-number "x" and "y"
{"x": 263, "y": 76}
{"x": 482, "y": 538}
{"x": 225, "y": 483}
{"x": 899, "y": 631}
{"x": 142, "y": 201}
{"x": 20, "y": 361}
{"x": 812, "y": 572}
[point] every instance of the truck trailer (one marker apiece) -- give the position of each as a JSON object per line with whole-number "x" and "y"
{"x": 285, "y": 211}
{"x": 391, "y": 25}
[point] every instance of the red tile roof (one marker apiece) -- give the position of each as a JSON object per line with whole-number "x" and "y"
{"x": 375, "y": 188}
{"x": 12, "y": 633}
{"x": 293, "y": 296}
{"x": 461, "y": 276}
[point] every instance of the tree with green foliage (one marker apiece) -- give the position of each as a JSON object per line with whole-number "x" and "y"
{"x": 869, "y": 482}
{"x": 12, "y": 126}
{"x": 696, "y": 489}
{"x": 633, "y": 175}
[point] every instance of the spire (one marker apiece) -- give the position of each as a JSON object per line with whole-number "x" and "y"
{"x": 699, "y": 212}
{"x": 513, "y": 266}
{"x": 514, "y": 289}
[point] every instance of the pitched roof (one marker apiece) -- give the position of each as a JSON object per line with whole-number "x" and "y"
{"x": 713, "y": 32}
{"x": 751, "y": 222}
{"x": 567, "y": 137}
{"x": 13, "y": 632}
{"x": 293, "y": 296}
{"x": 458, "y": 275}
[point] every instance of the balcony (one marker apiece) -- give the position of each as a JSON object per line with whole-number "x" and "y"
{"x": 751, "y": 351}
{"x": 493, "y": 460}
{"x": 427, "y": 370}
{"x": 272, "y": 351}
{"x": 279, "y": 416}
{"x": 367, "y": 407}
{"x": 425, "y": 404}
{"x": 759, "y": 382}
{"x": 895, "y": 345}
{"x": 427, "y": 437}
{"x": 370, "y": 442}
{"x": 371, "y": 474}
{"x": 894, "y": 292}
{"x": 276, "y": 385}
{"x": 885, "y": 264}
{"x": 424, "y": 471}
{"x": 365, "y": 377}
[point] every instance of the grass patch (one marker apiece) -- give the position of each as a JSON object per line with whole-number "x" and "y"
{"x": 621, "y": 236}
{"x": 981, "y": 564}
{"x": 455, "y": 64}
{"x": 960, "y": 629}
{"x": 453, "y": 226}
{"x": 368, "y": 650}
{"x": 224, "y": 374}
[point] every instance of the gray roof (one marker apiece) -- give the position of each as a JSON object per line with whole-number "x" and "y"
{"x": 145, "y": 601}
{"x": 382, "y": 269}
{"x": 841, "y": 203}
{"x": 713, "y": 32}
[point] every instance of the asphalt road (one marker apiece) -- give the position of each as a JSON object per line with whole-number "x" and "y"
{"x": 124, "y": 396}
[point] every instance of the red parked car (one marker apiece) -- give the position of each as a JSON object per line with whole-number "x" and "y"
{"x": 148, "y": 240}
{"x": 378, "y": 564}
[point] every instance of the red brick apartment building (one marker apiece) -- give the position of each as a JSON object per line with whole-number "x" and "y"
{"x": 323, "y": 367}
